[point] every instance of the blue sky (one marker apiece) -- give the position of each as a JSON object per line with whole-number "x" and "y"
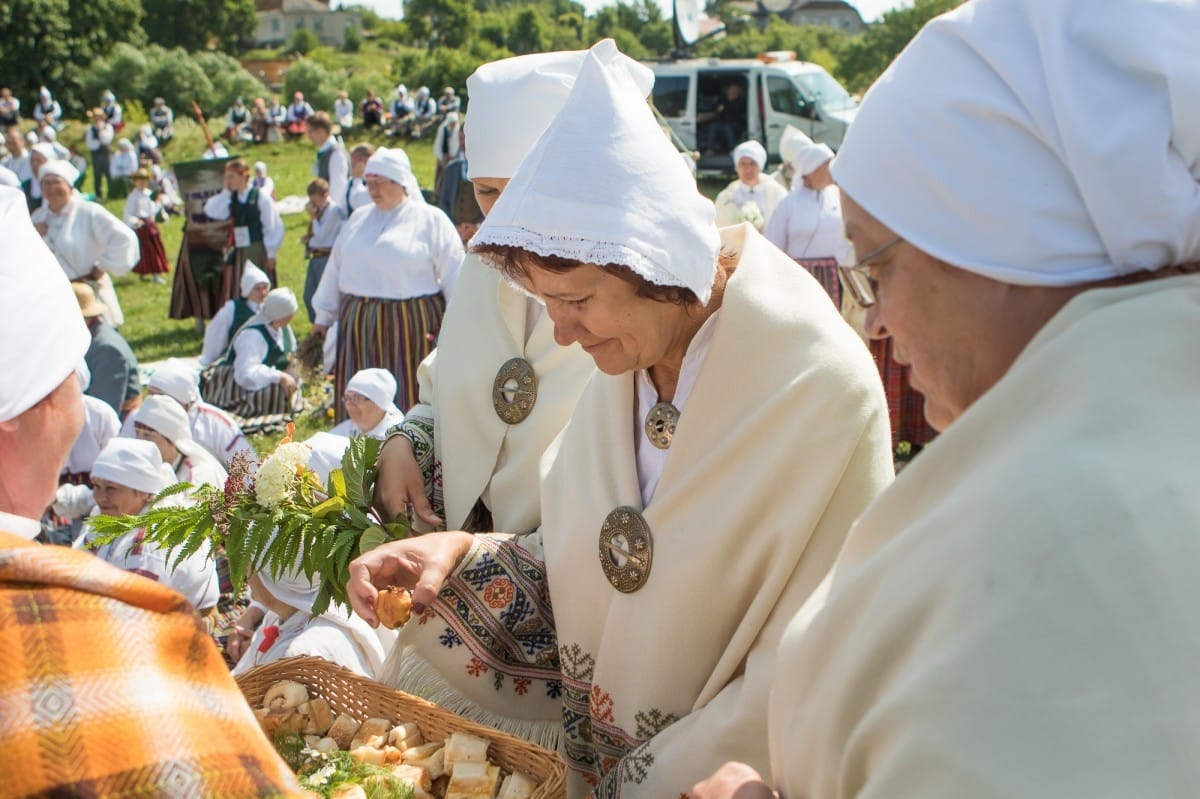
{"x": 870, "y": 9}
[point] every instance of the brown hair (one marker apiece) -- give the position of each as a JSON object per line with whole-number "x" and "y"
{"x": 515, "y": 264}
{"x": 238, "y": 165}
{"x": 321, "y": 121}
{"x": 362, "y": 148}
{"x": 317, "y": 186}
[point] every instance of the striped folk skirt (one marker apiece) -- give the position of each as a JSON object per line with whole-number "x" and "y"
{"x": 825, "y": 271}
{"x": 386, "y": 334}
{"x": 154, "y": 257}
{"x": 202, "y": 288}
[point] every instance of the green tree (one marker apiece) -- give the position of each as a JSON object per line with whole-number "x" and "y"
{"x": 445, "y": 23}
{"x": 864, "y": 58}
{"x": 199, "y": 24}
{"x": 320, "y": 86}
{"x": 177, "y": 78}
{"x": 530, "y": 32}
{"x": 229, "y": 79}
{"x": 353, "y": 41}
{"x": 303, "y": 42}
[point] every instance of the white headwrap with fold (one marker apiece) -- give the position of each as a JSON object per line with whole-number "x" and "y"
{"x": 393, "y": 164}
{"x": 603, "y": 185}
{"x": 808, "y": 157}
{"x": 177, "y": 379}
{"x": 279, "y": 304}
{"x": 9, "y": 178}
{"x": 752, "y": 150}
{"x": 133, "y": 463}
{"x": 537, "y": 85}
{"x": 59, "y": 168}
{"x": 166, "y": 416}
{"x": 377, "y": 385}
{"x": 251, "y": 277}
{"x": 790, "y": 143}
{"x": 35, "y": 358}
{"x": 1038, "y": 143}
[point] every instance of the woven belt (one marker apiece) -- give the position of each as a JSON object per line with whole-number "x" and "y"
{"x": 320, "y": 252}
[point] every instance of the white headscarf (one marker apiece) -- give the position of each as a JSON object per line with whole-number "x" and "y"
{"x": 603, "y": 185}
{"x": 790, "y": 143}
{"x": 1038, "y": 143}
{"x": 377, "y": 385}
{"x": 752, "y": 150}
{"x": 251, "y": 277}
{"x": 279, "y": 304}
{"x": 133, "y": 463}
{"x": 166, "y": 416}
{"x": 35, "y": 358}
{"x": 809, "y": 157}
{"x": 393, "y": 164}
{"x": 59, "y": 168}
{"x": 9, "y": 178}
{"x": 177, "y": 379}
{"x": 536, "y": 85}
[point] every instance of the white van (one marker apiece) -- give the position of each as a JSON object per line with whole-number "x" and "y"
{"x": 715, "y": 104}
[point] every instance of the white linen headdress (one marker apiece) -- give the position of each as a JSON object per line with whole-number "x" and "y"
{"x": 603, "y": 185}
{"x": 251, "y": 277}
{"x": 393, "y": 164}
{"x": 133, "y": 463}
{"x": 167, "y": 417}
{"x": 279, "y": 304}
{"x": 377, "y": 385}
{"x": 35, "y": 358}
{"x": 790, "y": 143}
{"x": 60, "y": 168}
{"x": 9, "y": 178}
{"x": 752, "y": 150}
{"x": 808, "y": 157}
{"x": 178, "y": 379}
{"x": 1038, "y": 143}
{"x": 513, "y": 101}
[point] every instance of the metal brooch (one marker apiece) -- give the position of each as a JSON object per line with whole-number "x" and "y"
{"x": 660, "y": 424}
{"x": 514, "y": 391}
{"x": 626, "y": 549}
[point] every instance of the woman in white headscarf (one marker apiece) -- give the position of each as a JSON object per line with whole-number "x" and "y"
{"x": 126, "y": 476}
{"x": 370, "y": 404}
{"x": 257, "y": 376}
{"x": 163, "y": 421}
{"x": 388, "y": 279}
{"x": 289, "y": 629}
{"x": 721, "y": 367}
{"x": 212, "y": 428}
{"x": 235, "y": 313}
{"x": 753, "y": 197}
{"x": 808, "y": 223}
{"x": 88, "y": 241}
{"x": 1015, "y": 616}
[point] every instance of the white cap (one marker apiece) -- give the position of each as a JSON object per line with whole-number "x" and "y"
{"x": 35, "y": 358}
{"x": 603, "y": 185}
{"x": 1038, "y": 143}
{"x": 790, "y": 142}
{"x": 752, "y": 150}
{"x": 377, "y": 385}
{"x": 59, "y": 168}
{"x": 279, "y": 304}
{"x": 133, "y": 463}
{"x": 9, "y": 178}
{"x": 165, "y": 416}
{"x": 178, "y": 379}
{"x": 513, "y": 101}
{"x": 251, "y": 277}
{"x": 809, "y": 157}
{"x": 391, "y": 163}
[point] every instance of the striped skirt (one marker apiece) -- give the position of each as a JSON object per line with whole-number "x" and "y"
{"x": 386, "y": 334}
{"x": 825, "y": 271}
{"x": 154, "y": 257}
{"x": 205, "y": 281}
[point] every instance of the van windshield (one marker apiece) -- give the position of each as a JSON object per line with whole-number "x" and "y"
{"x": 830, "y": 93}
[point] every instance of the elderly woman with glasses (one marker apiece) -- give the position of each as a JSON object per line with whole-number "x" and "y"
{"x": 388, "y": 279}
{"x": 721, "y": 370}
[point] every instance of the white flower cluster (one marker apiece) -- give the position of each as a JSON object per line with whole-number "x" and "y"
{"x": 750, "y": 212}
{"x": 276, "y": 479}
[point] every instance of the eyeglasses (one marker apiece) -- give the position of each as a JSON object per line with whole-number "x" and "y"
{"x": 856, "y": 273}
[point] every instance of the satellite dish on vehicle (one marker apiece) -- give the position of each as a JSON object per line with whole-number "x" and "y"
{"x": 687, "y": 21}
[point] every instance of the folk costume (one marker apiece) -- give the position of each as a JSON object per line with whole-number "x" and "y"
{"x": 212, "y": 428}
{"x": 1020, "y": 602}
{"x": 741, "y": 202}
{"x": 100, "y": 425}
{"x": 195, "y": 464}
{"x": 650, "y": 700}
{"x": 387, "y": 282}
{"x": 141, "y": 214}
{"x": 256, "y": 232}
{"x": 808, "y": 223}
{"x": 333, "y": 166}
{"x": 85, "y": 235}
{"x": 233, "y": 314}
{"x": 379, "y": 386}
{"x": 323, "y": 229}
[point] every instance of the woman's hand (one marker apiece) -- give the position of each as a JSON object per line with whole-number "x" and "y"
{"x": 243, "y": 632}
{"x": 421, "y": 563}
{"x": 288, "y": 384}
{"x": 400, "y": 482}
{"x": 733, "y": 781}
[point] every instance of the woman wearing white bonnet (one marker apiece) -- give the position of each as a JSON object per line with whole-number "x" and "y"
{"x": 126, "y": 476}
{"x": 388, "y": 279}
{"x": 163, "y": 421}
{"x": 753, "y": 197}
{"x": 370, "y": 405}
{"x": 808, "y": 224}
{"x": 290, "y": 630}
{"x": 1016, "y": 616}
{"x": 256, "y": 379}
{"x": 235, "y": 313}
{"x": 212, "y": 428}
{"x": 712, "y": 371}
{"x": 89, "y": 242}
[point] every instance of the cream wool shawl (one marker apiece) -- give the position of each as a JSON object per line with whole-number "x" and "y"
{"x": 1016, "y": 616}
{"x": 784, "y": 441}
{"x": 484, "y": 327}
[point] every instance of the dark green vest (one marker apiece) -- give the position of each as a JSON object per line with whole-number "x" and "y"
{"x": 323, "y": 159}
{"x": 247, "y": 214}
{"x": 277, "y": 357}
{"x": 241, "y": 315}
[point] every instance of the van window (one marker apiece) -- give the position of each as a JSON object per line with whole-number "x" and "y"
{"x": 670, "y": 95}
{"x": 786, "y": 98}
{"x": 827, "y": 90}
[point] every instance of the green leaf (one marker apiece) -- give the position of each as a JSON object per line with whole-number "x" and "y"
{"x": 358, "y": 464}
{"x": 372, "y": 537}
{"x": 330, "y": 507}
{"x": 337, "y": 483}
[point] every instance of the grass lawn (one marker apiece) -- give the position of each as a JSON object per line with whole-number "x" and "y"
{"x": 154, "y": 337}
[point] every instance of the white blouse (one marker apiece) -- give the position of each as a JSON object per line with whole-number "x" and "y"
{"x": 218, "y": 207}
{"x": 123, "y": 164}
{"x": 195, "y": 577}
{"x": 216, "y": 334}
{"x": 84, "y": 235}
{"x": 140, "y": 205}
{"x": 358, "y": 195}
{"x": 250, "y": 349}
{"x": 808, "y": 224}
{"x": 325, "y": 230}
{"x": 100, "y": 425}
{"x": 410, "y": 251}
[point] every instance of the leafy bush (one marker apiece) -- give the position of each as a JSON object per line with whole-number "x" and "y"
{"x": 320, "y": 86}
{"x": 230, "y": 80}
{"x": 303, "y": 41}
{"x": 178, "y": 79}
{"x": 353, "y": 42}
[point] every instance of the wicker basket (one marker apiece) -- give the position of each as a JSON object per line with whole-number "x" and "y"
{"x": 347, "y": 692}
